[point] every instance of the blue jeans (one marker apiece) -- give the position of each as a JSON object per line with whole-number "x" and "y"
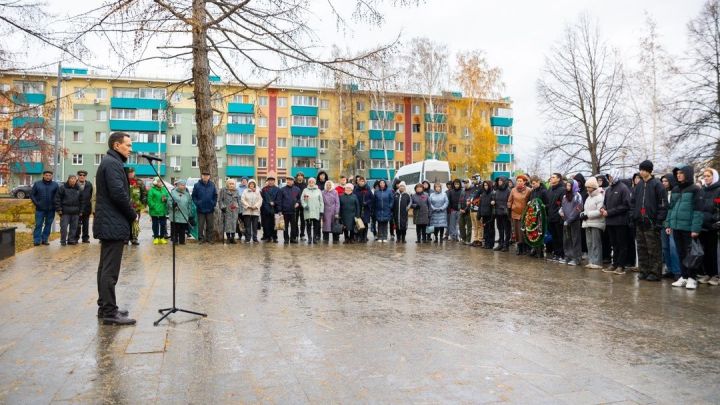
{"x": 159, "y": 227}
{"x": 43, "y": 224}
{"x": 670, "y": 254}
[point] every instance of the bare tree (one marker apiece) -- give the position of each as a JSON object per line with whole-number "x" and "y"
{"x": 385, "y": 81}
{"x": 581, "y": 94}
{"x": 698, "y": 106}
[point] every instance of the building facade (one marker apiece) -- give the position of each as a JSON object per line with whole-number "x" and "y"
{"x": 277, "y": 130}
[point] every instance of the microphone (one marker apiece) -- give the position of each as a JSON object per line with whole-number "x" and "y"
{"x": 151, "y": 158}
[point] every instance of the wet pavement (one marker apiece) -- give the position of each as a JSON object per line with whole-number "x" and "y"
{"x": 375, "y": 323}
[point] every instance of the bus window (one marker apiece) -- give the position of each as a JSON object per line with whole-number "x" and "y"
{"x": 437, "y": 177}
{"x": 410, "y": 178}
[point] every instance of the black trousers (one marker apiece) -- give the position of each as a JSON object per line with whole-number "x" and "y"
{"x": 206, "y": 223}
{"x": 683, "y": 243}
{"x": 401, "y": 234}
{"x": 107, "y": 275}
{"x": 251, "y": 227}
{"x": 421, "y": 233}
{"x": 556, "y": 231}
{"x": 620, "y": 243}
{"x": 313, "y": 229}
{"x": 300, "y": 218}
{"x": 268, "y": 226}
{"x": 335, "y": 236}
{"x": 504, "y": 232}
{"x": 488, "y": 231}
{"x": 178, "y": 232}
{"x": 291, "y": 227}
{"x": 709, "y": 240}
{"x": 382, "y": 227}
{"x": 83, "y": 227}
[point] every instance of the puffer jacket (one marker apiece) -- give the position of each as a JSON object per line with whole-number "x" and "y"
{"x": 67, "y": 200}
{"x": 312, "y": 202}
{"x": 205, "y": 197}
{"x": 617, "y": 204}
{"x": 251, "y": 202}
{"x": 686, "y": 205}
{"x": 382, "y": 204}
{"x": 594, "y": 202}
{"x": 518, "y": 201}
{"x": 648, "y": 203}
{"x": 43, "y": 195}
{"x": 500, "y": 197}
{"x": 555, "y": 196}
{"x": 711, "y": 202}
{"x": 156, "y": 206}
{"x": 365, "y": 198}
{"x": 570, "y": 209}
{"x": 421, "y": 208}
{"x": 486, "y": 196}
{"x": 182, "y": 213}
{"x": 438, "y": 209}
{"x": 113, "y": 209}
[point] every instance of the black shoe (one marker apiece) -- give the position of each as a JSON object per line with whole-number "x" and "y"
{"x": 286, "y": 242}
{"x": 232, "y": 241}
{"x": 86, "y": 241}
{"x": 72, "y": 243}
{"x": 497, "y": 248}
{"x": 294, "y": 241}
{"x": 119, "y": 312}
{"x": 652, "y": 277}
{"x": 63, "y": 243}
{"x": 505, "y": 249}
{"x": 668, "y": 275}
{"x": 135, "y": 242}
{"x": 46, "y": 243}
{"x": 642, "y": 276}
{"x": 118, "y": 320}
{"x": 275, "y": 241}
{"x": 36, "y": 243}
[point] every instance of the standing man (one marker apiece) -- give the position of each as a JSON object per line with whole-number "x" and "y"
{"x": 267, "y": 211}
{"x": 287, "y": 202}
{"x": 138, "y": 198}
{"x": 205, "y": 196}
{"x": 43, "y": 197}
{"x": 114, "y": 216}
{"x": 555, "y": 221}
{"x": 615, "y": 211}
{"x": 86, "y": 194}
{"x": 454, "y": 193}
{"x": 340, "y": 188}
{"x": 648, "y": 209}
{"x": 464, "y": 219}
{"x": 300, "y": 212}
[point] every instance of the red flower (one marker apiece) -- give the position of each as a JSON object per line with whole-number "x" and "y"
{"x": 717, "y": 200}
{"x": 642, "y": 211}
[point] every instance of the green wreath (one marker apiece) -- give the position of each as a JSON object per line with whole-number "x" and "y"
{"x": 534, "y": 223}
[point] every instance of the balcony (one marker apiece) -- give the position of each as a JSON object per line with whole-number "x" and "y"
{"x": 134, "y": 125}
{"x": 380, "y": 154}
{"x": 240, "y": 149}
{"x": 27, "y": 167}
{"x": 504, "y": 140}
{"x": 144, "y": 169}
{"x": 303, "y": 131}
{"x": 380, "y": 134}
{"x": 501, "y": 121}
{"x": 138, "y": 103}
{"x": 29, "y": 98}
{"x": 381, "y": 174}
{"x": 148, "y": 147}
{"x": 439, "y": 118}
{"x": 503, "y": 158}
{"x": 241, "y": 108}
{"x": 19, "y": 122}
{"x": 495, "y": 175}
{"x": 307, "y": 171}
{"x": 304, "y": 151}
{"x": 382, "y": 115}
{"x": 240, "y": 171}
{"x": 305, "y": 110}
{"x": 240, "y": 128}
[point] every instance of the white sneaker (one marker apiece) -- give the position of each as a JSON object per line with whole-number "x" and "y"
{"x": 715, "y": 280}
{"x": 703, "y": 279}
{"x": 691, "y": 284}
{"x": 681, "y": 282}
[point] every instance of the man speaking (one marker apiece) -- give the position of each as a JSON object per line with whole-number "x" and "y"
{"x": 113, "y": 216}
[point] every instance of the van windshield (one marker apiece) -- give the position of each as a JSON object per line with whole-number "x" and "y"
{"x": 410, "y": 178}
{"x": 437, "y": 177}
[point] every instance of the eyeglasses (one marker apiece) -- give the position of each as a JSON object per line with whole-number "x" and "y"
{"x": 82, "y": 175}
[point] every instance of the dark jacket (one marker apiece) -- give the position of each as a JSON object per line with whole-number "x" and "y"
{"x": 500, "y": 196}
{"x": 420, "y": 204}
{"x": 581, "y": 185}
{"x": 286, "y": 199}
{"x": 349, "y": 210}
{"x": 205, "y": 196}
{"x": 455, "y": 198}
{"x": 401, "y": 205}
{"x": 321, "y": 184}
{"x": 365, "y": 198}
{"x": 67, "y": 200}
{"x": 43, "y": 195}
{"x": 486, "y": 208}
{"x": 617, "y": 204}
{"x": 86, "y": 198}
{"x": 540, "y": 192}
{"x": 648, "y": 204}
{"x": 382, "y": 204}
{"x": 268, "y": 194}
{"x": 555, "y": 196}
{"x": 113, "y": 209}
{"x": 710, "y": 205}
{"x": 685, "y": 212}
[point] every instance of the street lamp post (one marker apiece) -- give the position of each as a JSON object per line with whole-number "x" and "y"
{"x": 57, "y": 121}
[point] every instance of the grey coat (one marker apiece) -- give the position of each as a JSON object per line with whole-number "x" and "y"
{"x": 421, "y": 208}
{"x": 229, "y": 202}
{"x": 438, "y": 209}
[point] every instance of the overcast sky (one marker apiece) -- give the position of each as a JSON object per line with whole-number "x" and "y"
{"x": 514, "y": 34}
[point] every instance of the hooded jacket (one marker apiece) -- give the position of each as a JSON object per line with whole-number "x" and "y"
{"x": 685, "y": 213}
{"x": 382, "y": 204}
{"x": 595, "y": 201}
{"x": 617, "y": 203}
{"x": 648, "y": 203}
{"x": 365, "y": 198}
{"x": 555, "y": 195}
{"x": 570, "y": 209}
{"x": 581, "y": 183}
{"x": 485, "y": 204}
{"x": 501, "y": 195}
{"x": 711, "y": 202}
{"x": 321, "y": 184}
{"x": 455, "y": 196}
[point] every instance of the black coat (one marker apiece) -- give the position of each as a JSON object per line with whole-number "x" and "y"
{"x": 555, "y": 196}
{"x": 349, "y": 210}
{"x": 486, "y": 208}
{"x": 711, "y": 208}
{"x": 286, "y": 199}
{"x": 420, "y": 204}
{"x": 542, "y": 193}
{"x": 648, "y": 203}
{"x": 581, "y": 184}
{"x": 67, "y": 200}
{"x": 86, "y": 198}
{"x": 113, "y": 209}
{"x": 401, "y": 203}
{"x": 455, "y": 198}
{"x": 500, "y": 196}
{"x": 617, "y": 204}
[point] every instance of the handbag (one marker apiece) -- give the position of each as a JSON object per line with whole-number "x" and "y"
{"x": 430, "y": 229}
{"x": 336, "y": 226}
{"x": 240, "y": 225}
{"x": 695, "y": 259}
{"x": 359, "y": 224}
{"x": 279, "y": 222}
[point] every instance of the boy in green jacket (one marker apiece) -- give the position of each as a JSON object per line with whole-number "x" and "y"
{"x": 158, "y": 210}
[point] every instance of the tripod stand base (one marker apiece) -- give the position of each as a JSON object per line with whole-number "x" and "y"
{"x": 167, "y": 311}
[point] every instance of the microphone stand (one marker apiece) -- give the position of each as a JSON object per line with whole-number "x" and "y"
{"x": 173, "y": 309}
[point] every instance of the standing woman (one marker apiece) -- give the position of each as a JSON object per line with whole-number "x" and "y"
{"x": 709, "y": 236}
{"x": 421, "y": 212}
{"x": 67, "y": 203}
{"x": 349, "y": 210}
{"x": 331, "y": 211}
{"x": 572, "y": 206}
{"x": 312, "y": 203}
{"x": 229, "y": 201}
{"x": 593, "y": 222}
{"x": 364, "y": 194}
{"x": 500, "y": 198}
{"x": 438, "y": 208}
{"x": 517, "y": 202}
{"x": 252, "y": 202}
{"x": 486, "y": 214}
{"x": 382, "y": 209}
{"x": 401, "y": 205}
{"x": 181, "y": 213}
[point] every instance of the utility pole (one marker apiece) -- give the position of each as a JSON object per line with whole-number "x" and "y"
{"x": 57, "y": 121}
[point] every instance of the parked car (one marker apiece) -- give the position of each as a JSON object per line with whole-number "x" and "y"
{"x": 21, "y": 191}
{"x": 190, "y": 183}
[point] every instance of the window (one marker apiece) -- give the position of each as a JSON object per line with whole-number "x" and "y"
{"x": 466, "y": 132}
{"x": 175, "y": 161}
{"x": 176, "y": 97}
{"x": 282, "y": 163}
{"x": 500, "y": 167}
{"x": 26, "y": 180}
{"x": 282, "y": 101}
{"x": 399, "y": 164}
{"x": 262, "y": 122}
{"x": 399, "y": 127}
{"x": 282, "y": 122}
{"x": 240, "y": 160}
{"x": 176, "y": 139}
{"x": 502, "y": 130}
{"x": 77, "y": 136}
{"x": 101, "y": 94}
{"x": 382, "y": 105}
{"x": 361, "y": 164}
{"x": 360, "y": 106}
{"x": 468, "y": 149}
{"x": 240, "y": 139}
{"x": 416, "y": 109}
{"x": 379, "y": 144}
{"x": 240, "y": 98}
{"x": 416, "y": 128}
{"x": 324, "y": 123}
{"x": 78, "y": 115}
{"x": 100, "y": 137}
{"x": 361, "y": 146}
{"x": 360, "y": 126}
{"x": 377, "y": 124}
{"x": 453, "y": 129}
{"x": 176, "y": 118}
{"x": 218, "y": 141}
{"x": 400, "y": 108}
{"x": 324, "y": 164}
{"x": 77, "y": 159}
{"x": 453, "y": 148}
{"x": 102, "y": 115}
{"x": 282, "y": 142}
{"x": 98, "y": 158}
{"x": 435, "y": 127}
{"x": 193, "y": 140}
{"x": 123, "y": 114}
{"x": 241, "y": 119}
{"x": 262, "y": 162}
{"x": 502, "y": 112}
{"x": 156, "y": 94}
{"x": 262, "y": 142}
{"x": 324, "y": 144}
{"x": 400, "y": 146}
{"x": 303, "y": 162}
{"x": 194, "y": 162}
{"x": 79, "y": 93}
{"x": 303, "y": 121}
{"x": 324, "y": 104}
{"x": 304, "y": 141}
{"x": 263, "y": 100}
{"x": 124, "y": 92}
{"x": 29, "y": 87}
{"x": 380, "y": 164}
{"x": 217, "y": 119}
{"x": 416, "y": 147}
{"x": 305, "y": 100}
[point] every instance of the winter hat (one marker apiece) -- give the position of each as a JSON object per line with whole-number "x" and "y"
{"x": 402, "y": 184}
{"x": 647, "y": 166}
{"x": 180, "y": 182}
{"x": 349, "y": 185}
{"x": 591, "y": 183}
{"x": 252, "y": 181}
{"x": 715, "y": 177}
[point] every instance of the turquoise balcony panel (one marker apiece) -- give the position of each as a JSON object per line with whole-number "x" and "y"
{"x": 27, "y": 167}
{"x": 144, "y": 169}
{"x": 19, "y": 122}
{"x": 74, "y": 71}
{"x": 439, "y": 118}
{"x": 307, "y": 171}
{"x": 379, "y": 115}
{"x": 148, "y": 147}
{"x": 138, "y": 103}
{"x": 304, "y": 110}
{"x": 380, "y": 134}
{"x": 240, "y": 171}
{"x": 504, "y": 140}
{"x": 504, "y": 158}
{"x": 501, "y": 121}
{"x": 380, "y": 154}
{"x": 132, "y": 125}
{"x": 304, "y": 131}
{"x": 240, "y": 128}
{"x": 495, "y": 175}
{"x": 381, "y": 174}
{"x": 241, "y": 108}
{"x": 240, "y": 149}
{"x": 302, "y": 151}
{"x": 29, "y": 98}
{"x": 29, "y": 145}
